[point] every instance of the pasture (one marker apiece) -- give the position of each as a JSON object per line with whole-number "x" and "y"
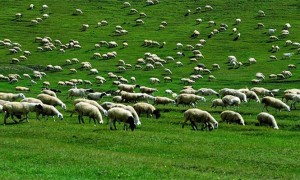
{"x": 159, "y": 148}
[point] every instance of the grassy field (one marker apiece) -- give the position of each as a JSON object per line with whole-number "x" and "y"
{"x": 160, "y": 148}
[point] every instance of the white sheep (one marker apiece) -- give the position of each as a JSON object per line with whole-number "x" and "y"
{"x": 231, "y": 116}
{"x": 230, "y": 100}
{"x": 86, "y": 109}
{"x": 127, "y": 87}
{"x": 97, "y": 95}
{"x": 260, "y": 91}
{"x": 92, "y": 102}
{"x": 49, "y": 92}
{"x": 275, "y": 103}
{"x": 18, "y": 109}
{"x": 207, "y": 92}
{"x": 147, "y": 90}
{"x": 295, "y": 98}
{"x": 143, "y": 107}
{"x": 131, "y": 97}
{"x": 163, "y": 100}
{"x": 32, "y": 100}
{"x": 252, "y": 60}
{"x": 11, "y": 96}
{"x": 78, "y": 92}
{"x": 48, "y": 110}
{"x": 50, "y": 100}
{"x": 189, "y": 99}
{"x": 199, "y": 116}
{"x": 154, "y": 80}
{"x": 120, "y": 115}
{"x": 21, "y": 88}
{"x": 266, "y": 118}
{"x": 217, "y": 102}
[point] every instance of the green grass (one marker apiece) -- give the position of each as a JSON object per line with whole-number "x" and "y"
{"x": 159, "y": 149}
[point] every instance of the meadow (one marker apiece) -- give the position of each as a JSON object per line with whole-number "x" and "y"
{"x": 159, "y": 148}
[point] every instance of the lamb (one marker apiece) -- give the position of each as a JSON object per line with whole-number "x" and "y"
{"x": 97, "y": 95}
{"x": 147, "y": 90}
{"x": 18, "y": 109}
{"x": 231, "y": 101}
{"x": 121, "y": 115}
{"x": 260, "y": 91}
{"x": 217, "y": 102}
{"x": 50, "y": 100}
{"x": 48, "y": 110}
{"x": 92, "y": 102}
{"x": 275, "y": 103}
{"x": 49, "y": 92}
{"x": 266, "y": 118}
{"x": 231, "y": 116}
{"x": 188, "y": 99}
{"x": 78, "y": 92}
{"x": 127, "y": 87}
{"x": 21, "y": 88}
{"x": 86, "y": 109}
{"x": 143, "y": 107}
{"x": 163, "y": 100}
{"x": 11, "y": 96}
{"x": 196, "y": 115}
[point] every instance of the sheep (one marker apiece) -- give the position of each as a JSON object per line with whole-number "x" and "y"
{"x": 251, "y": 95}
{"x": 48, "y": 110}
{"x": 273, "y": 57}
{"x": 261, "y": 13}
{"x": 154, "y": 80}
{"x": 78, "y": 92}
{"x": 131, "y": 97}
{"x": 189, "y": 90}
{"x": 260, "y": 25}
{"x": 207, "y": 92}
{"x": 266, "y": 118}
{"x": 21, "y": 88}
{"x": 295, "y": 98}
{"x": 230, "y": 100}
{"x": 233, "y": 92}
{"x": 97, "y": 95}
{"x": 231, "y": 116}
{"x": 11, "y": 96}
{"x": 50, "y": 100}
{"x": 188, "y": 99}
{"x": 49, "y": 92}
{"x": 292, "y": 66}
{"x": 238, "y": 21}
{"x": 18, "y": 109}
{"x": 287, "y": 55}
{"x": 143, "y": 107}
{"x": 275, "y": 103}
{"x": 128, "y": 87}
{"x": 237, "y": 37}
{"x": 121, "y": 115}
{"x": 163, "y": 100}
{"x": 32, "y": 100}
{"x": 252, "y": 60}
{"x": 196, "y": 115}
{"x": 260, "y": 91}
{"x": 147, "y": 90}
{"x": 217, "y": 102}
{"x": 208, "y": 8}
{"x": 288, "y": 96}
{"x": 86, "y": 109}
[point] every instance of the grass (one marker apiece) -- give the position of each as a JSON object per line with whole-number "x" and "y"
{"x": 159, "y": 149}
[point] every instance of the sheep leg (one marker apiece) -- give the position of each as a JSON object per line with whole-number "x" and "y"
{"x": 5, "y": 117}
{"x": 114, "y": 123}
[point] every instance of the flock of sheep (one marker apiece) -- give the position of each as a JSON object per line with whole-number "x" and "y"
{"x": 119, "y": 110}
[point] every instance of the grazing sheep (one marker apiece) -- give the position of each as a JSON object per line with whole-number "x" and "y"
{"x": 189, "y": 99}
{"x": 143, "y": 107}
{"x": 266, "y": 118}
{"x": 295, "y": 98}
{"x": 32, "y": 100}
{"x": 92, "y": 102}
{"x": 217, "y": 102}
{"x": 97, "y": 95}
{"x": 78, "y": 92}
{"x": 154, "y": 80}
{"x": 147, "y": 90}
{"x": 120, "y": 115}
{"x": 49, "y": 92}
{"x": 50, "y": 100}
{"x": 48, "y": 110}
{"x": 196, "y": 115}
{"x": 127, "y": 87}
{"x": 18, "y": 109}
{"x": 131, "y": 97}
{"x": 21, "y": 88}
{"x": 86, "y": 109}
{"x": 230, "y": 100}
{"x": 207, "y": 92}
{"x": 275, "y": 103}
{"x": 11, "y": 96}
{"x": 233, "y": 92}
{"x": 163, "y": 100}
{"x": 231, "y": 116}
{"x": 260, "y": 91}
